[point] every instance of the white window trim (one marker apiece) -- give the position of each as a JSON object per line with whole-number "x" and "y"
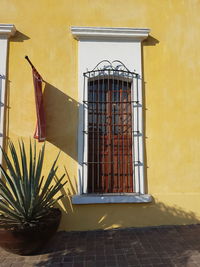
{"x": 123, "y": 36}
{"x": 6, "y": 31}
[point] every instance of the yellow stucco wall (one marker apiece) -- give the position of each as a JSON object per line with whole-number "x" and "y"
{"x": 171, "y": 61}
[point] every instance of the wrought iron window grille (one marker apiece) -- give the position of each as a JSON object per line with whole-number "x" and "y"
{"x": 111, "y": 128}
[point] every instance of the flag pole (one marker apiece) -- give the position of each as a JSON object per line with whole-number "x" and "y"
{"x": 33, "y": 67}
{"x": 27, "y": 58}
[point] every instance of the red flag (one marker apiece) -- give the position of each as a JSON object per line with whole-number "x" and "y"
{"x": 40, "y": 131}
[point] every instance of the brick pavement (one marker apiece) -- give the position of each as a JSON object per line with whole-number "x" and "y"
{"x": 155, "y": 246}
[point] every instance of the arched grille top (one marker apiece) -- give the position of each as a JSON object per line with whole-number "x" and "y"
{"x": 115, "y": 68}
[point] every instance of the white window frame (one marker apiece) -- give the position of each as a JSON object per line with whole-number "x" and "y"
{"x": 6, "y": 31}
{"x": 94, "y": 45}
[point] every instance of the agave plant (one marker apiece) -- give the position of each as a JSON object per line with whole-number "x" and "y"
{"x": 25, "y": 195}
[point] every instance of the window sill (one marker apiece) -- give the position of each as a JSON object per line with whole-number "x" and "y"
{"x": 110, "y": 198}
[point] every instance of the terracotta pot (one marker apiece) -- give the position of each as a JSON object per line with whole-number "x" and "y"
{"x": 31, "y": 239}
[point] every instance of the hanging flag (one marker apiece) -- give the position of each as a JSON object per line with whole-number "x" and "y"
{"x": 40, "y": 131}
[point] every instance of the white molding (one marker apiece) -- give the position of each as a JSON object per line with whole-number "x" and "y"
{"x": 98, "y": 33}
{"x": 7, "y": 30}
{"x": 102, "y": 199}
{"x": 95, "y": 45}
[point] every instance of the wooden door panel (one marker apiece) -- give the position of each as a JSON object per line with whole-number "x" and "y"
{"x": 110, "y": 160}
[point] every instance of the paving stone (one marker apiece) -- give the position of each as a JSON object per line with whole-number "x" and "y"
{"x": 89, "y": 263}
{"x": 99, "y": 264}
{"x": 31, "y": 265}
{"x": 67, "y": 259}
{"x": 171, "y": 246}
{"x": 78, "y": 264}
{"x": 56, "y": 264}
{"x": 111, "y": 264}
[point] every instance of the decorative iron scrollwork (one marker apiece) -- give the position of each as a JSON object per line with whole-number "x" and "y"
{"x": 107, "y": 68}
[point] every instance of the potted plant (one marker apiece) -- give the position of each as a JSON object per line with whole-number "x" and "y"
{"x": 27, "y": 216}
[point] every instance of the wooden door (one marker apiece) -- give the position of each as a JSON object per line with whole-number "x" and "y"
{"x": 110, "y": 155}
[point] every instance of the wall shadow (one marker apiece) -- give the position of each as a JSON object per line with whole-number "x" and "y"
{"x": 19, "y": 37}
{"x": 61, "y": 120}
{"x": 7, "y": 104}
{"x": 116, "y": 215}
{"x": 150, "y": 41}
{"x": 65, "y": 204}
{"x": 7, "y": 116}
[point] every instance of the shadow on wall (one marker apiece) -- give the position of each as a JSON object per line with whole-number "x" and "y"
{"x": 109, "y": 216}
{"x": 158, "y": 213}
{"x": 62, "y": 117}
{"x": 150, "y": 41}
{"x": 65, "y": 204}
{"x": 122, "y": 215}
{"x": 7, "y": 116}
{"x": 19, "y": 37}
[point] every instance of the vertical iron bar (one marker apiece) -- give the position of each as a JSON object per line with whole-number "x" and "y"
{"x": 114, "y": 141}
{"x": 103, "y": 135}
{"x": 90, "y": 119}
{"x": 121, "y": 133}
{"x": 93, "y": 135}
{"x": 98, "y": 151}
{"x": 123, "y": 162}
{"x": 127, "y": 134}
{"x": 106, "y": 133}
{"x": 84, "y": 133}
{"x": 112, "y": 135}
{"x": 131, "y": 138}
{"x": 110, "y": 129}
{"x": 138, "y": 104}
{"x": 118, "y": 127}
{"x": 132, "y": 130}
{"x": 88, "y": 166}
